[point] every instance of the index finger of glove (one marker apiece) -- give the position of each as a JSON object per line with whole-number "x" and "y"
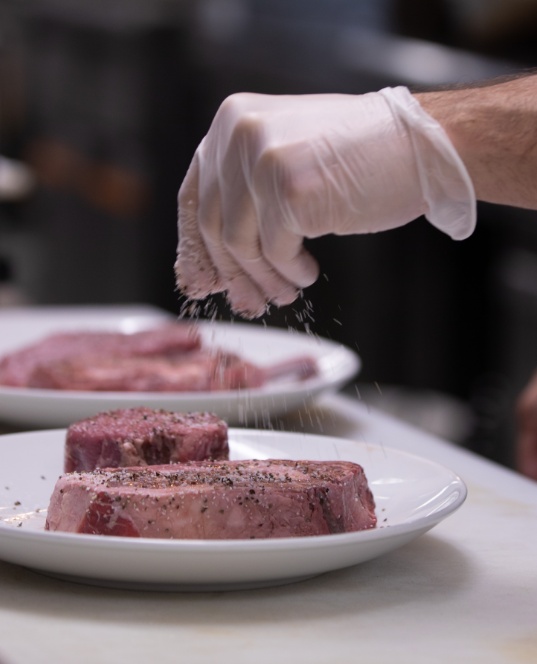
{"x": 195, "y": 273}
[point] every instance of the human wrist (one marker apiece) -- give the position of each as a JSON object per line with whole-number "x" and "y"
{"x": 493, "y": 127}
{"x": 464, "y": 120}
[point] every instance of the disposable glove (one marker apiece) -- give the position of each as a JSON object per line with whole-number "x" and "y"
{"x": 274, "y": 170}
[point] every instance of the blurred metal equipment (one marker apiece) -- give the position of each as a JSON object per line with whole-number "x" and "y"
{"x": 413, "y": 62}
{"x": 16, "y": 180}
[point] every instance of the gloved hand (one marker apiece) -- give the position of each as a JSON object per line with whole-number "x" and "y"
{"x": 274, "y": 170}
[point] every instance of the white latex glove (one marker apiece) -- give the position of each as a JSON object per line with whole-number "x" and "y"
{"x": 274, "y": 170}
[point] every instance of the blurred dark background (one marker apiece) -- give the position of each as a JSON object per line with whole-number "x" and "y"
{"x": 103, "y": 102}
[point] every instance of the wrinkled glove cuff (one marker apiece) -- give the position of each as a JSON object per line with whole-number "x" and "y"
{"x": 448, "y": 192}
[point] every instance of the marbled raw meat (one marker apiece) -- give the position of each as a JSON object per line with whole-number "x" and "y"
{"x": 18, "y": 368}
{"x": 143, "y": 436}
{"x": 215, "y": 500}
{"x": 166, "y": 359}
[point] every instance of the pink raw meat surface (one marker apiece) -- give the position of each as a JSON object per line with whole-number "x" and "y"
{"x": 18, "y": 368}
{"x": 142, "y": 436}
{"x": 166, "y": 359}
{"x": 215, "y": 500}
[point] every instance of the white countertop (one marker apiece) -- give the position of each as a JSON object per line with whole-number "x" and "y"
{"x": 464, "y": 592}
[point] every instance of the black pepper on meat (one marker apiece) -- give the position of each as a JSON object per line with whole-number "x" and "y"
{"x": 215, "y": 500}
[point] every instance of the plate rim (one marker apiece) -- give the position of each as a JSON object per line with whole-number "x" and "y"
{"x": 279, "y": 557}
{"x": 268, "y": 399}
{"x": 380, "y": 532}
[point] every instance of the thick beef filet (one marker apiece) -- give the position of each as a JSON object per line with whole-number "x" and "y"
{"x": 215, "y": 500}
{"x": 23, "y": 367}
{"x": 142, "y": 436}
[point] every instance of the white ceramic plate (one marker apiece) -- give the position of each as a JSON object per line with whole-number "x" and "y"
{"x": 53, "y": 408}
{"x": 412, "y": 495}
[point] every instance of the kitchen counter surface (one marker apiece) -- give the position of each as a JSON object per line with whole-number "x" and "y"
{"x": 465, "y": 592}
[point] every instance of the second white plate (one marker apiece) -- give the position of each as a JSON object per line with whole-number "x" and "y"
{"x": 264, "y": 346}
{"x": 412, "y": 495}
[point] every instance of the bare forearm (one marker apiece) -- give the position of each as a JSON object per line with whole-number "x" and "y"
{"x": 494, "y": 129}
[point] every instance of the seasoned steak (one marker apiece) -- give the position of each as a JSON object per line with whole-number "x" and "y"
{"x": 215, "y": 500}
{"x": 143, "y": 436}
{"x": 22, "y": 368}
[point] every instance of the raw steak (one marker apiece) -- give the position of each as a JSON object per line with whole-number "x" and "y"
{"x": 198, "y": 371}
{"x": 165, "y": 359}
{"x": 18, "y": 368}
{"x": 143, "y": 436}
{"x": 215, "y": 500}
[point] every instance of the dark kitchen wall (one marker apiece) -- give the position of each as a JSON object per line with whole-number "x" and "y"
{"x": 106, "y": 133}
{"x": 112, "y": 97}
